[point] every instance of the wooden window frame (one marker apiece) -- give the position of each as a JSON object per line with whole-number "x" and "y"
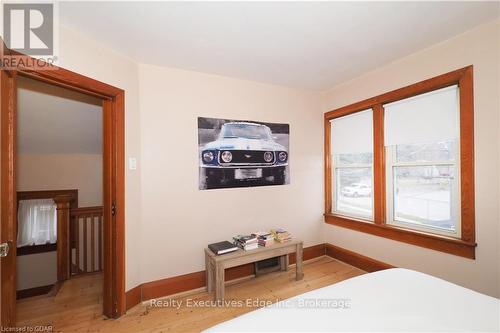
{"x": 36, "y": 249}
{"x": 463, "y": 246}
{"x": 48, "y": 194}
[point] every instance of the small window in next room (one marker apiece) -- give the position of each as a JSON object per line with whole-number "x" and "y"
{"x": 37, "y": 222}
{"x": 401, "y": 165}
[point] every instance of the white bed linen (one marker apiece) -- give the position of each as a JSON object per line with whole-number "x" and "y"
{"x": 397, "y": 300}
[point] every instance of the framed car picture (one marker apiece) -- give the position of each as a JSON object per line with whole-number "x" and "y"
{"x": 241, "y": 153}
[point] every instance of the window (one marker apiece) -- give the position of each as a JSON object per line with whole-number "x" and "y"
{"x": 352, "y": 156}
{"x": 401, "y": 165}
{"x": 421, "y": 162}
{"x": 37, "y": 222}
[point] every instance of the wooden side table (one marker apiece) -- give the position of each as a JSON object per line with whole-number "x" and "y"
{"x": 215, "y": 265}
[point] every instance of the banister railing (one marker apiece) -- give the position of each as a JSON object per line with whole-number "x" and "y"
{"x": 86, "y": 239}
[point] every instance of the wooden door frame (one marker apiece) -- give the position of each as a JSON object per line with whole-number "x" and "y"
{"x": 113, "y": 179}
{"x": 8, "y": 202}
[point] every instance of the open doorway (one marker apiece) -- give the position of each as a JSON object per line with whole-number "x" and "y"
{"x": 59, "y": 167}
{"x": 113, "y": 144}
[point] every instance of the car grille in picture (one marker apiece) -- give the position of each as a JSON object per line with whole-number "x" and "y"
{"x": 249, "y": 156}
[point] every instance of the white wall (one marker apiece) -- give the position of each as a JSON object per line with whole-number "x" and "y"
{"x": 62, "y": 172}
{"x": 82, "y": 55}
{"x": 178, "y": 220}
{"x": 478, "y": 47}
{"x": 36, "y": 270}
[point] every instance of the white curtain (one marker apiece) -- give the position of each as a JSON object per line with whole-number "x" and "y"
{"x": 37, "y": 222}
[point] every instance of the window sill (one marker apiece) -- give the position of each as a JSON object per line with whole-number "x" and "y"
{"x": 445, "y": 244}
{"x": 34, "y": 249}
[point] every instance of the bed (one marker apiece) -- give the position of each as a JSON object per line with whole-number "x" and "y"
{"x": 390, "y": 300}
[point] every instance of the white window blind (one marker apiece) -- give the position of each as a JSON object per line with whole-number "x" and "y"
{"x": 352, "y": 134}
{"x": 430, "y": 117}
{"x": 37, "y": 222}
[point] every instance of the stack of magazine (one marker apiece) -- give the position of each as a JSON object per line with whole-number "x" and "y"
{"x": 281, "y": 235}
{"x": 246, "y": 242}
{"x": 252, "y": 241}
{"x": 264, "y": 238}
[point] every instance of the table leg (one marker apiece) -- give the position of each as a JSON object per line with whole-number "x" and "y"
{"x": 283, "y": 262}
{"x": 219, "y": 282}
{"x": 299, "y": 273}
{"x": 209, "y": 273}
{"x": 256, "y": 269}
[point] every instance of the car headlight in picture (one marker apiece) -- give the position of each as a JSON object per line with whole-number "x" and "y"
{"x": 268, "y": 156}
{"x": 226, "y": 156}
{"x": 208, "y": 156}
{"x": 282, "y": 156}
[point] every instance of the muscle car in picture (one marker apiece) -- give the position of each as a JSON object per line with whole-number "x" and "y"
{"x": 243, "y": 154}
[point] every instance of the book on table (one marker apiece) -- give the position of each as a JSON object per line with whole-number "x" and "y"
{"x": 264, "y": 236}
{"x": 281, "y": 235}
{"x": 246, "y": 242}
{"x": 266, "y": 242}
{"x": 222, "y": 247}
{"x": 262, "y": 239}
{"x": 248, "y": 247}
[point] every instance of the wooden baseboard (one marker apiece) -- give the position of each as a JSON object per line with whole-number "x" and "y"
{"x": 310, "y": 252}
{"x": 355, "y": 259}
{"x": 186, "y": 282}
{"x": 173, "y": 285}
{"x": 36, "y": 291}
{"x": 133, "y": 297}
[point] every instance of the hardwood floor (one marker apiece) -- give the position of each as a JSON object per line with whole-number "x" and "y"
{"x": 78, "y": 305}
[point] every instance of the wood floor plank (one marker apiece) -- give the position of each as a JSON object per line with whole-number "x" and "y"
{"x": 78, "y": 305}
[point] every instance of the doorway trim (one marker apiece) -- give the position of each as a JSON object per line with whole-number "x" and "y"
{"x": 113, "y": 178}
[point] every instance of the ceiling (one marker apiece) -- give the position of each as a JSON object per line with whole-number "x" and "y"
{"x": 312, "y": 45}
{"x": 53, "y": 120}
